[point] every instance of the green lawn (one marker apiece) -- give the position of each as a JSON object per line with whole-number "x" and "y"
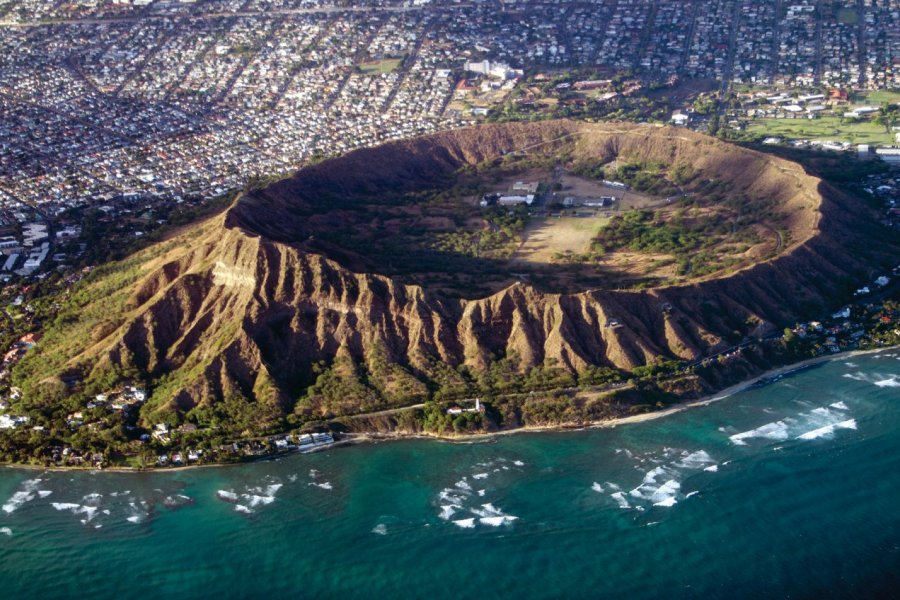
{"x": 380, "y": 66}
{"x": 848, "y": 16}
{"x": 876, "y": 98}
{"x": 825, "y": 128}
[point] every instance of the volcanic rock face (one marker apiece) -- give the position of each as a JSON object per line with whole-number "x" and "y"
{"x": 247, "y": 304}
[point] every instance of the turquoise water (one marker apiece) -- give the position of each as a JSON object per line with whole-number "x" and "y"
{"x": 786, "y": 490}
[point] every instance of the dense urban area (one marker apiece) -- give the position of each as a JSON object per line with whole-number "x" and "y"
{"x": 120, "y": 118}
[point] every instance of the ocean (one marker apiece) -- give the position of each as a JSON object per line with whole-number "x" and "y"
{"x": 786, "y": 490}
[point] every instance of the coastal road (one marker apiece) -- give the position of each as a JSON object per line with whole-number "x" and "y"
{"x": 385, "y": 413}
{"x": 393, "y": 411}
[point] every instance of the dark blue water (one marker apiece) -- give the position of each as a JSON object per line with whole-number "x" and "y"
{"x": 788, "y": 490}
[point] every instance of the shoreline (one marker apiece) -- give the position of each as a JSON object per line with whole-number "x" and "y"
{"x": 776, "y": 372}
{"x": 354, "y": 439}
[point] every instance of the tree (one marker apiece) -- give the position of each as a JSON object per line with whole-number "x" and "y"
{"x": 789, "y": 336}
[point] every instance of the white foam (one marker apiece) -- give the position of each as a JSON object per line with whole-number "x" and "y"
{"x": 227, "y": 495}
{"x": 597, "y": 488}
{"x": 891, "y": 382}
{"x": 325, "y": 485}
{"x": 772, "y": 431}
{"x": 840, "y": 406}
{"x": 480, "y": 476}
{"x": 134, "y": 519}
{"x": 689, "y": 494}
{"x": 481, "y": 492}
{"x": 619, "y": 497}
{"x": 518, "y": 463}
{"x": 448, "y": 495}
{"x": 497, "y": 521}
{"x": 855, "y": 376}
{"x": 26, "y": 494}
{"x": 90, "y": 511}
{"x": 76, "y": 509}
{"x": 380, "y": 529}
{"x": 465, "y": 523}
{"x": 463, "y": 485}
{"x": 447, "y": 511}
{"x": 17, "y": 500}
{"x": 44, "y": 493}
{"x": 695, "y": 460}
{"x": 651, "y": 475}
{"x": 242, "y": 509}
{"x": 5, "y": 530}
{"x": 176, "y": 501}
{"x": 827, "y": 430}
{"x": 257, "y": 500}
{"x": 487, "y": 510}
{"x": 665, "y": 493}
{"x": 712, "y": 468}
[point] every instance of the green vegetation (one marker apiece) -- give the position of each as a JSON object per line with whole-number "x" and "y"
{"x": 824, "y": 128}
{"x": 648, "y": 178}
{"x": 848, "y": 16}
{"x": 637, "y": 230}
{"x": 380, "y": 67}
{"x": 876, "y": 97}
{"x": 498, "y": 239}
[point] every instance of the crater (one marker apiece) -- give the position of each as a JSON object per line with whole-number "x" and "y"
{"x": 563, "y": 206}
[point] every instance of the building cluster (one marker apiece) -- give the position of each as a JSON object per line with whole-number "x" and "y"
{"x": 272, "y": 445}
{"x": 885, "y": 187}
{"x": 172, "y": 99}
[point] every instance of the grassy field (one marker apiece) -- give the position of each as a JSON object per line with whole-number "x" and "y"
{"x": 876, "y": 98}
{"x": 548, "y": 237}
{"x": 378, "y": 67}
{"x": 825, "y": 128}
{"x": 848, "y": 16}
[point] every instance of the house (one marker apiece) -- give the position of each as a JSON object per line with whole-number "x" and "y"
{"x": 528, "y": 188}
{"x": 615, "y": 184}
{"x": 516, "y": 200}
{"x": 679, "y": 119}
{"x": 161, "y": 433}
{"x": 889, "y": 155}
{"x": 11, "y": 422}
{"x": 458, "y": 410}
{"x": 601, "y": 202}
{"x": 463, "y": 89}
{"x": 593, "y": 84}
